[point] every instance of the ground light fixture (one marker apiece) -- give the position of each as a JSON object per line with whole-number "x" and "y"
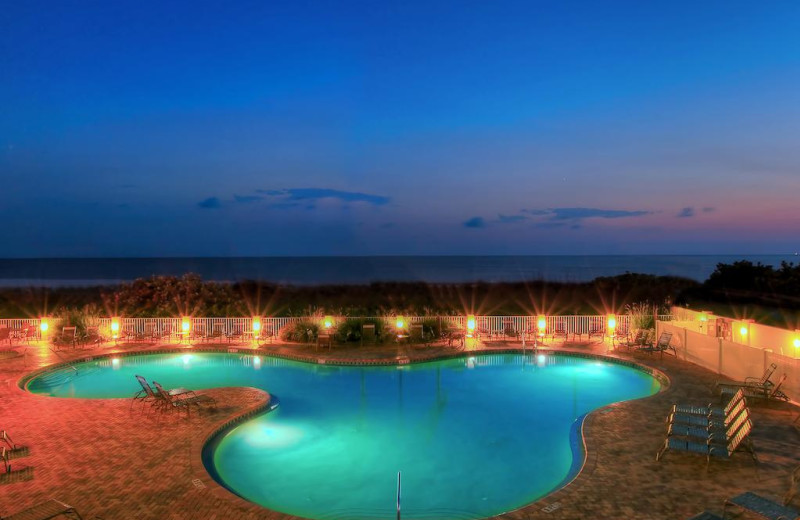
{"x": 399, "y": 325}
{"x": 327, "y": 322}
{"x": 186, "y": 324}
{"x": 541, "y": 325}
{"x": 44, "y": 326}
{"x": 115, "y": 328}
{"x": 256, "y": 326}
{"x": 470, "y": 325}
{"x": 612, "y": 324}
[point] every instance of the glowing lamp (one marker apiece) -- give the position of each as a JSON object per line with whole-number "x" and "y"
{"x": 612, "y": 324}
{"x": 796, "y": 342}
{"x": 703, "y": 317}
{"x": 327, "y": 322}
{"x": 43, "y": 325}
{"x": 541, "y": 323}
{"x": 471, "y": 323}
{"x": 256, "y": 324}
{"x": 743, "y": 331}
{"x": 115, "y": 327}
{"x": 186, "y": 325}
{"x": 400, "y": 322}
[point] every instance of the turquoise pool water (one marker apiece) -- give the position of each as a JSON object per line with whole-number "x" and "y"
{"x": 473, "y": 436}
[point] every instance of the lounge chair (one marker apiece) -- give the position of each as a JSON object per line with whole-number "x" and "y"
{"x": 660, "y": 346}
{"x": 752, "y": 382}
{"x": 44, "y": 511}
{"x": 183, "y": 400}
{"x": 628, "y": 341}
{"x": 768, "y": 393}
{"x": 762, "y": 506}
{"x": 710, "y": 410}
{"x": 739, "y": 441}
{"x": 7, "y": 440}
{"x": 146, "y": 394}
{"x": 706, "y": 515}
{"x": 714, "y": 433}
{"x": 678, "y": 421}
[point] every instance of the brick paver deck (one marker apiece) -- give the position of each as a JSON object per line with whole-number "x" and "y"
{"x": 109, "y": 462}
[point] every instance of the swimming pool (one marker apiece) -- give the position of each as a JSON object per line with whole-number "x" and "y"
{"x": 473, "y": 436}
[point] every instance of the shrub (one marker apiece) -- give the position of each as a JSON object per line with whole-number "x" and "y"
{"x": 303, "y": 331}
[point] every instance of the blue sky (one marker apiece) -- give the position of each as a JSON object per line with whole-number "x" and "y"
{"x": 293, "y": 128}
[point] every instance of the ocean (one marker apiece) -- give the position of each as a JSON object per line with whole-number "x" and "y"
{"x": 76, "y": 272}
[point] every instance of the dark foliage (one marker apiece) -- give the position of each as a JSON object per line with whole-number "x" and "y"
{"x": 190, "y": 295}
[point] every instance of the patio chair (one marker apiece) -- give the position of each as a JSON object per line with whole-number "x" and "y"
{"x": 761, "y": 506}
{"x": 770, "y": 394}
{"x": 708, "y": 421}
{"x": 660, "y": 346}
{"x": 751, "y": 382}
{"x": 146, "y": 394}
{"x": 596, "y": 332}
{"x": 368, "y": 333}
{"x": 183, "y": 400}
{"x": 739, "y": 441}
{"x": 234, "y": 333}
{"x": 714, "y": 433}
{"x": 4, "y": 437}
{"x": 44, "y": 511}
{"x": 70, "y": 335}
{"x": 628, "y": 341}
{"x": 559, "y": 331}
{"x": 706, "y": 515}
{"x": 710, "y": 410}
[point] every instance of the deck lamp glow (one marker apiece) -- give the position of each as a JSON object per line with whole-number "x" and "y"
{"x": 743, "y": 331}
{"x": 612, "y": 324}
{"x": 470, "y": 325}
{"x": 114, "y": 328}
{"x": 327, "y": 323}
{"x": 43, "y": 325}
{"x": 256, "y": 326}
{"x": 797, "y": 343}
{"x": 400, "y": 323}
{"x": 541, "y": 325}
{"x": 186, "y": 325}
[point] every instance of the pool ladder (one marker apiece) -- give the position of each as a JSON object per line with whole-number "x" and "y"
{"x": 398, "y": 495}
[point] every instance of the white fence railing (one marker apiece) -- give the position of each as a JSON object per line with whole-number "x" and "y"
{"x": 159, "y": 328}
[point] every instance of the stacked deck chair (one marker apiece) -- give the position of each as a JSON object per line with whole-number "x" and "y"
{"x": 736, "y": 440}
{"x": 689, "y": 413}
{"x": 716, "y": 430}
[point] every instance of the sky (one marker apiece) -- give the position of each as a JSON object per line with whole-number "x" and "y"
{"x": 194, "y": 128}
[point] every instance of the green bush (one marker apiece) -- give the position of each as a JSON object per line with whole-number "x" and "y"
{"x": 304, "y": 331}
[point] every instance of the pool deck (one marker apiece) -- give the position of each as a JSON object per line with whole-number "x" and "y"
{"x": 112, "y": 463}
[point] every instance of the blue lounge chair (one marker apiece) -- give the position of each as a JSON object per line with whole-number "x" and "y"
{"x": 710, "y": 410}
{"x": 762, "y": 506}
{"x": 739, "y": 441}
{"x": 705, "y": 515}
{"x": 708, "y": 421}
{"x": 718, "y": 433}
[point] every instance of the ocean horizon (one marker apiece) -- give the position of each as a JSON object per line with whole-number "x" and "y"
{"x": 356, "y": 270}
